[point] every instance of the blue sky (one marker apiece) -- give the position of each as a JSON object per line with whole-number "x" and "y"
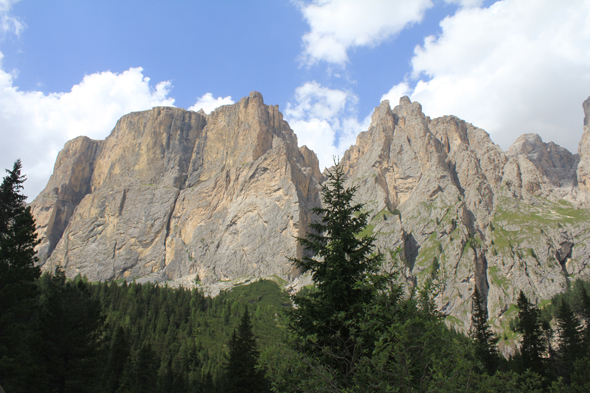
{"x": 73, "y": 67}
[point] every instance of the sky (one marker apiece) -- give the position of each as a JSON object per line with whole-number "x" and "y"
{"x": 70, "y": 67}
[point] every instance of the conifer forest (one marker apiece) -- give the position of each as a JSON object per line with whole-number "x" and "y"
{"x": 357, "y": 329}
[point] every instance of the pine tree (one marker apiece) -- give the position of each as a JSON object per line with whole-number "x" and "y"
{"x": 532, "y": 346}
{"x": 569, "y": 339}
{"x": 484, "y": 340}
{"x": 242, "y": 375}
{"x": 345, "y": 274}
{"x": 18, "y": 275}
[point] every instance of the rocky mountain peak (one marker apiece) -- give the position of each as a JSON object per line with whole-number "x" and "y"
{"x": 172, "y": 193}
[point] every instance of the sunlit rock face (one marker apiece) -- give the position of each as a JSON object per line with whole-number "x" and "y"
{"x": 448, "y": 205}
{"x": 172, "y": 193}
{"x": 179, "y": 195}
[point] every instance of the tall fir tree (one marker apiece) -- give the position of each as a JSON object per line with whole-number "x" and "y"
{"x": 346, "y": 275}
{"x": 484, "y": 340}
{"x": 532, "y": 346}
{"x": 18, "y": 275}
{"x": 242, "y": 375}
{"x": 569, "y": 340}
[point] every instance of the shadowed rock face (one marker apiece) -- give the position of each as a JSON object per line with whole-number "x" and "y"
{"x": 172, "y": 193}
{"x": 175, "y": 194}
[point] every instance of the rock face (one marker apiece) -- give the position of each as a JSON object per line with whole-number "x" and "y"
{"x": 449, "y": 205}
{"x": 172, "y": 193}
{"x": 179, "y": 195}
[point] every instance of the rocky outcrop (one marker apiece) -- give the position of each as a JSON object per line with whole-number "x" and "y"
{"x": 172, "y": 193}
{"x": 540, "y": 169}
{"x": 69, "y": 184}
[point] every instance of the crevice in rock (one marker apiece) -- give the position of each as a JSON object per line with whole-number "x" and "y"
{"x": 481, "y": 274}
{"x": 122, "y": 201}
{"x": 562, "y": 255}
{"x": 168, "y": 220}
{"x": 411, "y": 250}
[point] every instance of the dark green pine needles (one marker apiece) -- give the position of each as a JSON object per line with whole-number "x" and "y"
{"x": 345, "y": 273}
{"x": 18, "y": 275}
{"x": 242, "y": 374}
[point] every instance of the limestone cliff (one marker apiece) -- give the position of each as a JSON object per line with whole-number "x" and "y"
{"x": 449, "y": 205}
{"x": 173, "y": 193}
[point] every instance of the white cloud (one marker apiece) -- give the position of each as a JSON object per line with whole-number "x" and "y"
{"x": 465, "y": 3}
{"x": 8, "y": 23}
{"x": 34, "y": 126}
{"x": 208, "y": 103}
{"x": 518, "y": 66}
{"x": 324, "y": 120}
{"x": 396, "y": 92}
{"x": 339, "y": 25}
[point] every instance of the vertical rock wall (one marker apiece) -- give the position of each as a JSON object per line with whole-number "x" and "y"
{"x": 172, "y": 193}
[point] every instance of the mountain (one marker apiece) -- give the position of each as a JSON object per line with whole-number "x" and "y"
{"x": 450, "y": 205}
{"x": 174, "y": 195}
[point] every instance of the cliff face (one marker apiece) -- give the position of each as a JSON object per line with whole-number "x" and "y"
{"x": 179, "y": 195}
{"x": 449, "y": 205}
{"x": 173, "y": 193}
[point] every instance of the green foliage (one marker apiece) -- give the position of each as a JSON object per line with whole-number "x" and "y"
{"x": 569, "y": 339}
{"x": 187, "y": 332}
{"x": 18, "y": 274}
{"x": 345, "y": 273}
{"x": 532, "y": 347}
{"x": 71, "y": 329}
{"x": 242, "y": 374}
{"x": 484, "y": 340}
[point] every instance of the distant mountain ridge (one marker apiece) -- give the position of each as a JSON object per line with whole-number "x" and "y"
{"x": 179, "y": 195}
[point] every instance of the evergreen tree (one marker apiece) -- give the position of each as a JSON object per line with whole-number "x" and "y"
{"x": 345, "y": 274}
{"x": 72, "y": 326}
{"x": 532, "y": 347}
{"x": 241, "y": 373}
{"x": 484, "y": 340}
{"x": 569, "y": 340}
{"x": 18, "y": 290}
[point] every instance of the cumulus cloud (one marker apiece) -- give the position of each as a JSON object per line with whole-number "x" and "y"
{"x": 208, "y": 103}
{"x": 34, "y": 126}
{"x": 516, "y": 67}
{"x": 324, "y": 120}
{"x": 339, "y": 25}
